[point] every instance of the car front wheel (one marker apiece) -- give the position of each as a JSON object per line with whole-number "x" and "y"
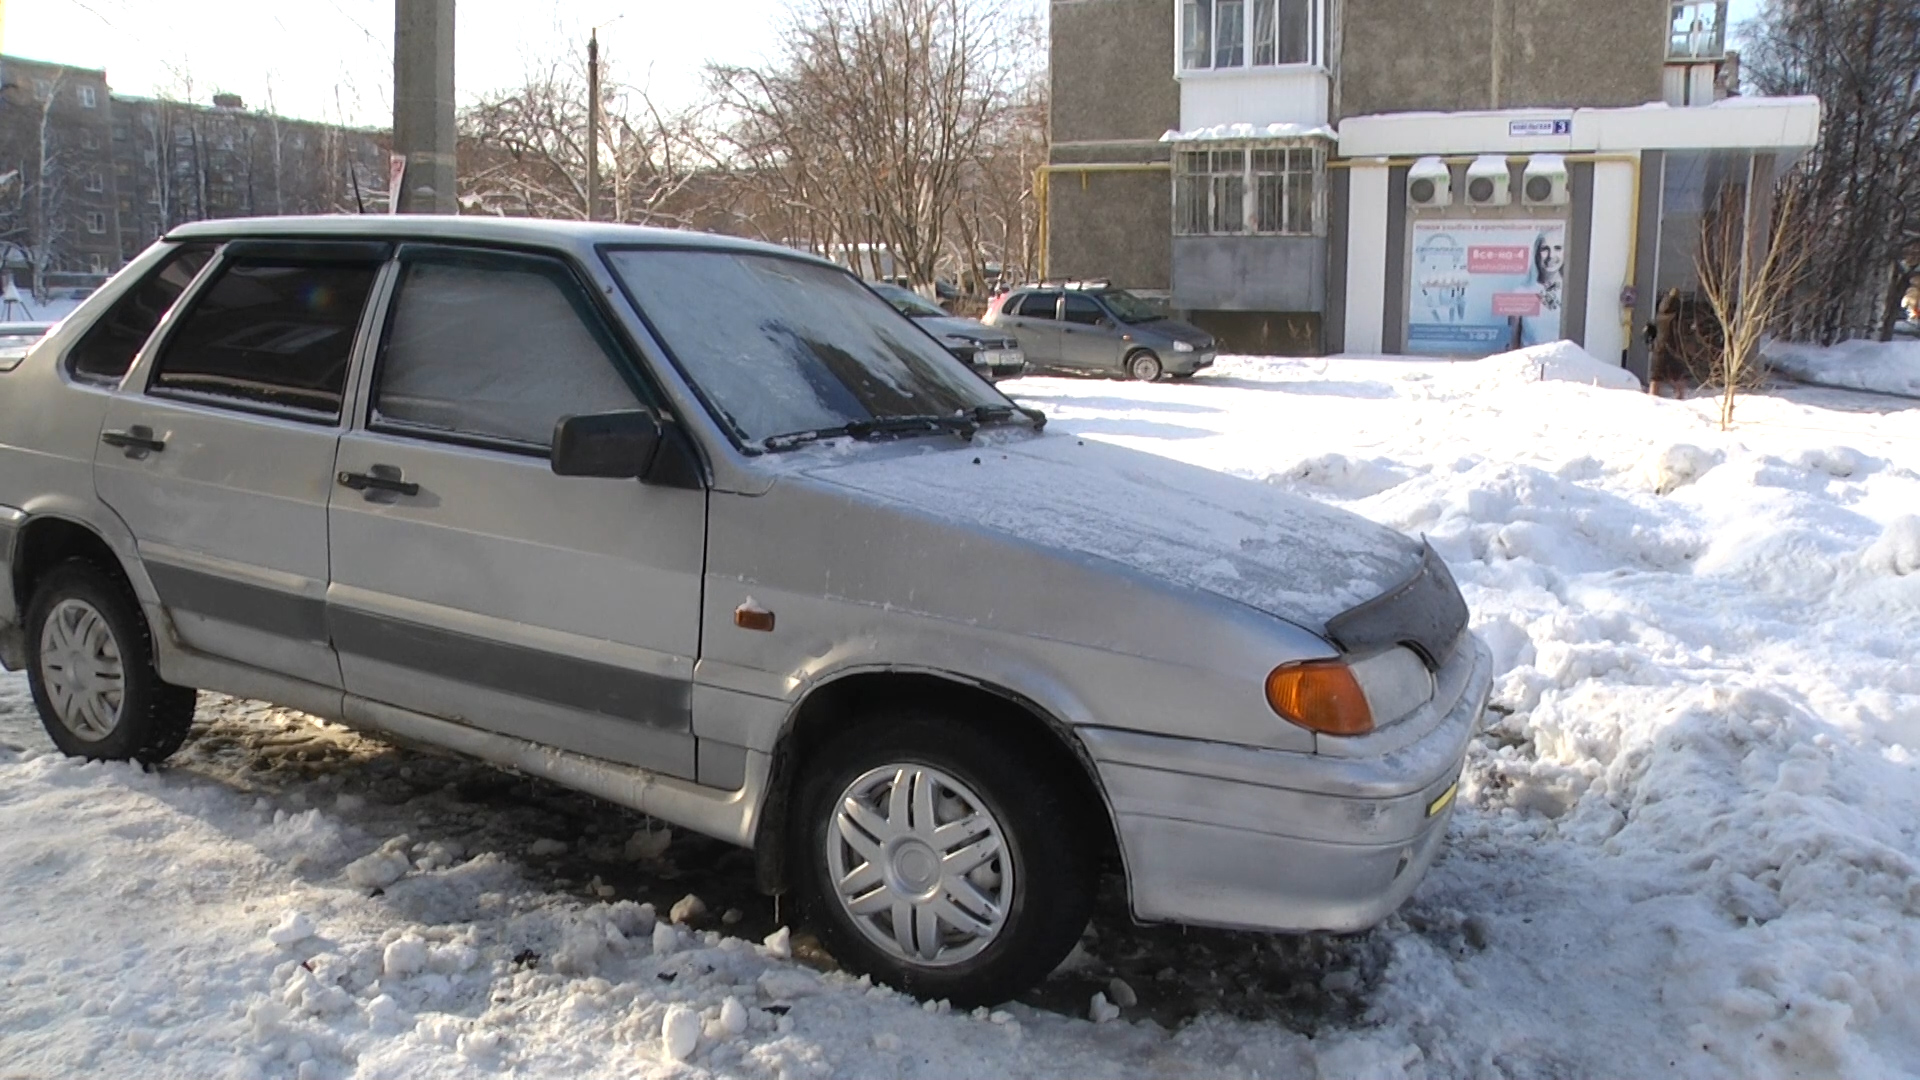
{"x": 91, "y": 670}
{"x": 942, "y": 860}
{"x": 1144, "y": 366}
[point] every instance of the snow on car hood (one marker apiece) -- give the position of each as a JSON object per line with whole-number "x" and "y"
{"x": 1240, "y": 539}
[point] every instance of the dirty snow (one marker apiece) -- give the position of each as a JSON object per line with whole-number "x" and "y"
{"x": 1688, "y": 844}
{"x": 1887, "y": 367}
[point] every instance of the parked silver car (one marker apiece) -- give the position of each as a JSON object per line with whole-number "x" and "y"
{"x": 706, "y": 529}
{"x": 992, "y": 354}
{"x": 1100, "y": 329}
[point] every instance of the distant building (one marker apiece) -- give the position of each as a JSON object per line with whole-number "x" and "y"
{"x": 88, "y": 178}
{"x": 1305, "y": 176}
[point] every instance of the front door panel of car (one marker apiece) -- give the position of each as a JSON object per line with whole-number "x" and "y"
{"x": 469, "y": 581}
{"x": 1088, "y": 341}
{"x": 219, "y": 457}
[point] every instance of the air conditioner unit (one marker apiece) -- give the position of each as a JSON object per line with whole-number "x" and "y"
{"x": 1489, "y": 183}
{"x": 1545, "y": 181}
{"x": 1430, "y": 183}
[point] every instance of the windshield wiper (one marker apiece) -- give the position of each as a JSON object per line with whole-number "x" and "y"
{"x": 995, "y": 414}
{"x": 963, "y": 426}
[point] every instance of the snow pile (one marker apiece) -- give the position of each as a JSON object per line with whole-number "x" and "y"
{"x": 1559, "y": 361}
{"x": 1889, "y": 367}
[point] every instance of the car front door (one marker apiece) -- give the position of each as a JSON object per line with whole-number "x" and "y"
{"x": 1034, "y": 319}
{"x": 1088, "y": 340}
{"x": 470, "y": 582}
{"x": 218, "y": 451}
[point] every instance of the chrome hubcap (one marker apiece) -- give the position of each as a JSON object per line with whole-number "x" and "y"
{"x": 920, "y": 865}
{"x": 81, "y": 669}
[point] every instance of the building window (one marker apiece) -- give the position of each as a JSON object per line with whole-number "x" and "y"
{"x": 1239, "y": 33}
{"x": 96, "y": 182}
{"x": 97, "y": 264}
{"x": 1265, "y": 191}
{"x": 90, "y": 140}
{"x": 89, "y": 98}
{"x": 1697, "y": 30}
{"x": 42, "y": 89}
{"x": 96, "y": 222}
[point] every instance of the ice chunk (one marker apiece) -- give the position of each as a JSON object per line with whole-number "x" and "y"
{"x": 1897, "y": 551}
{"x": 544, "y": 847}
{"x": 1101, "y": 1010}
{"x": 291, "y": 930}
{"x": 404, "y": 957}
{"x": 1121, "y": 994}
{"x": 733, "y": 1016}
{"x": 680, "y": 1032}
{"x": 687, "y": 909}
{"x": 383, "y": 867}
{"x": 780, "y": 943}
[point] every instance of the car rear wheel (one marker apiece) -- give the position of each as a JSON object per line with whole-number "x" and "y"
{"x": 941, "y": 858}
{"x": 91, "y": 670}
{"x": 1144, "y": 366}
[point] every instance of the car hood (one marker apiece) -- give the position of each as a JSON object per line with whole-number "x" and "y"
{"x": 1235, "y": 538}
{"x": 1178, "y": 331}
{"x": 952, "y": 326}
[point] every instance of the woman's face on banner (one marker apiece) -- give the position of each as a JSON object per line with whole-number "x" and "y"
{"x": 1550, "y": 255}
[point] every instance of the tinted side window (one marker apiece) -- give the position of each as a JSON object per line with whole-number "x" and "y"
{"x": 109, "y": 347}
{"x": 1084, "y": 311}
{"x": 272, "y": 333}
{"x": 1038, "y": 305}
{"x": 498, "y": 348}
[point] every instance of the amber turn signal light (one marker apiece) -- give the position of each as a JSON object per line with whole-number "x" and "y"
{"x": 1320, "y": 695}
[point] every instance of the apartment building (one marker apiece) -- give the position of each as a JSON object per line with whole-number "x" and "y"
{"x": 88, "y": 178}
{"x": 1304, "y": 176}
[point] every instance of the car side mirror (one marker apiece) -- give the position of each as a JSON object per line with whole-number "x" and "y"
{"x": 1105, "y": 323}
{"x": 619, "y": 445}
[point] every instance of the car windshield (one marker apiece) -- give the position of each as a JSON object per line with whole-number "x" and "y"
{"x": 780, "y": 346}
{"x": 910, "y": 303}
{"x": 1130, "y": 308}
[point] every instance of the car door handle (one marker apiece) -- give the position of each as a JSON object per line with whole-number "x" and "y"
{"x": 379, "y": 478}
{"x": 137, "y": 441}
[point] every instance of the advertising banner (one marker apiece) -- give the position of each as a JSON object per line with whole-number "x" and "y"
{"x": 1481, "y": 286}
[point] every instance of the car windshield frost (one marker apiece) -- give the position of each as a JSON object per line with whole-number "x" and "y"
{"x": 779, "y": 346}
{"x": 1130, "y": 308}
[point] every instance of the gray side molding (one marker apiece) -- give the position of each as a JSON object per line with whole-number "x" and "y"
{"x": 732, "y": 816}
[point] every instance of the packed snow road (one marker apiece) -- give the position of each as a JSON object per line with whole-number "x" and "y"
{"x": 1689, "y": 842}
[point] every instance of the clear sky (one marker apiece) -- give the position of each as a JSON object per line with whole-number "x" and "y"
{"x": 333, "y": 59}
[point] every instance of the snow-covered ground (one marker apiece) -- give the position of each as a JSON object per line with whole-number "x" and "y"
{"x": 1887, "y": 367}
{"x": 1689, "y": 843}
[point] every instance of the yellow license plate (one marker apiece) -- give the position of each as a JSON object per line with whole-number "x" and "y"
{"x": 1446, "y": 797}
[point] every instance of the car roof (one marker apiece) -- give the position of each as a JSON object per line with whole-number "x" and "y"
{"x": 460, "y": 228}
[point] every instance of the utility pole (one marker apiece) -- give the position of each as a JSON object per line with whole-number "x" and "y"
{"x": 424, "y": 137}
{"x": 593, "y": 124}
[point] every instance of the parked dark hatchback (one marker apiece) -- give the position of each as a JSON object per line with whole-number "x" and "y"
{"x": 1098, "y": 328}
{"x": 992, "y": 354}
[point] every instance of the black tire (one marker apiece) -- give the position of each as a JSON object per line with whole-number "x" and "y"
{"x": 1048, "y": 845}
{"x": 1182, "y": 378}
{"x": 153, "y": 716}
{"x": 1143, "y": 366}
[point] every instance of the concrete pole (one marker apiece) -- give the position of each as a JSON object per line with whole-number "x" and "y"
{"x": 423, "y": 131}
{"x": 593, "y": 125}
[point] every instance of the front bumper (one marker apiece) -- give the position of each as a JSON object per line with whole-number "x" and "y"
{"x": 1188, "y": 363}
{"x": 12, "y": 645}
{"x": 1254, "y": 839}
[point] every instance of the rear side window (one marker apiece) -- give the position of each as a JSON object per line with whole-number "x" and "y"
{"x": 1039, "y": 305}
{"x": 269, "y": 333}
{"x": 497, "y": 348}
{"x": 108, "y": 349}
{"x": 1083, "y": 310}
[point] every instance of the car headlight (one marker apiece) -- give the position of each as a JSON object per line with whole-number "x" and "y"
{"x": 1350, "y": 697}
{"x": 1181, "y": 346}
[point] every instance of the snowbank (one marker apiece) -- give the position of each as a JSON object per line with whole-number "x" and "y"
{"x": 1559, "y": 361}
{"x": 1889, "y": 367}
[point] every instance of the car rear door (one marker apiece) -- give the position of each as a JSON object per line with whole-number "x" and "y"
{"x": 469, "y": 581}
{"x": 218, "y": 450}
{"x": 1088, "y": 340}
{"x": 1034, "y": 319}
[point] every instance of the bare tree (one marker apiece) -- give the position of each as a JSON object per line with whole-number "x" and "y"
{"x": 1749, "y": 265}
{"x": 47, "y": 201}
{"x": 1861, "y": 184}
{"x": 525, "y": 151}
{"x": 861, "y": 138}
